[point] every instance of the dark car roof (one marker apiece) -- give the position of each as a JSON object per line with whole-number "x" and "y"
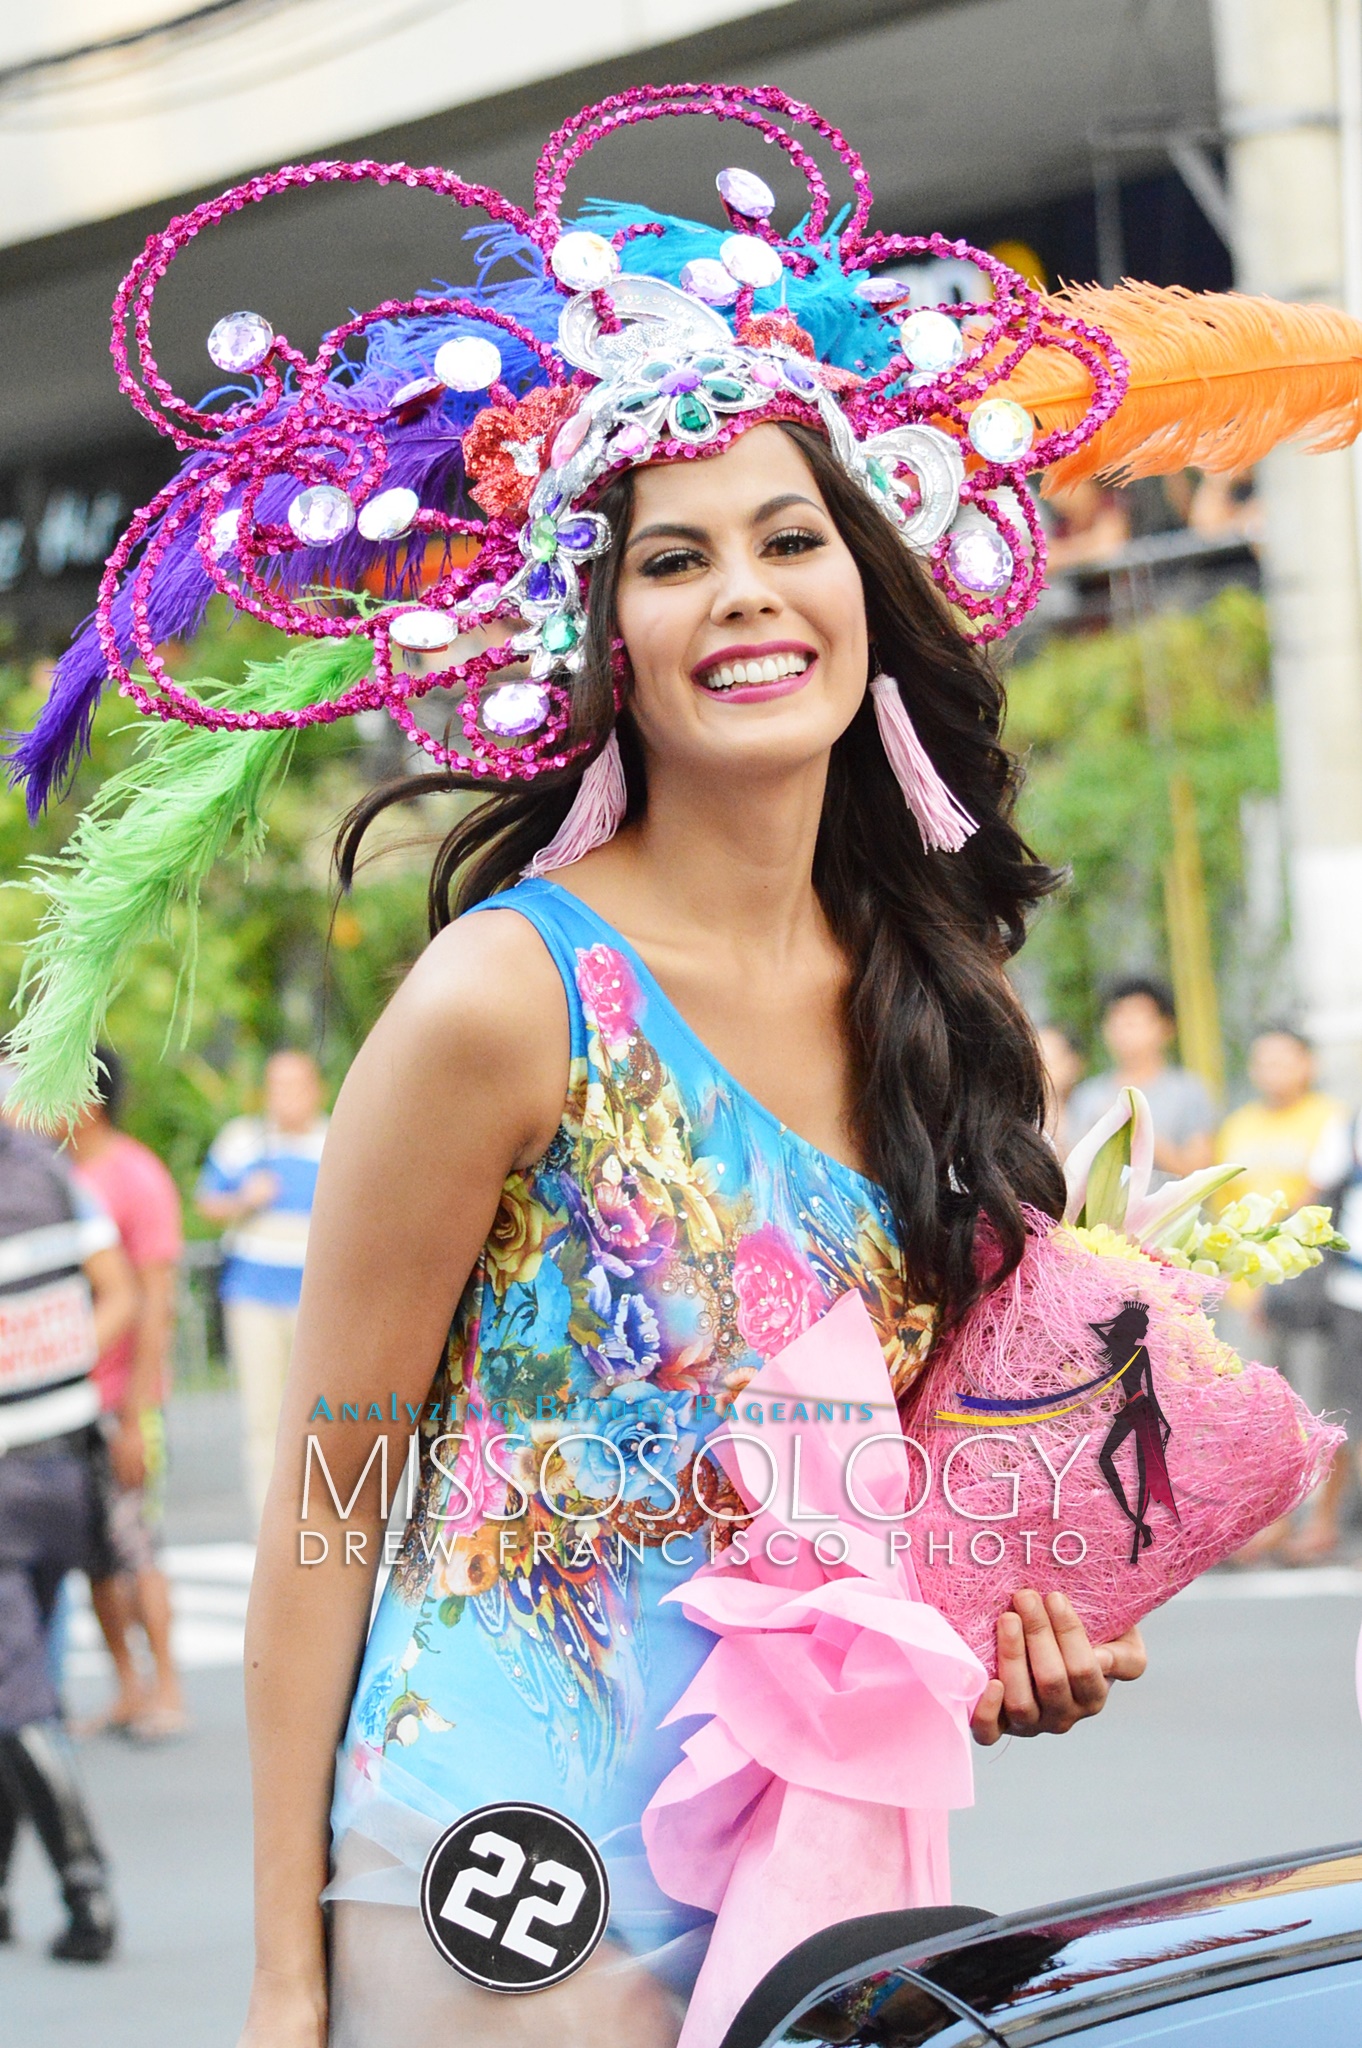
{"x": 1036, "y": 1975}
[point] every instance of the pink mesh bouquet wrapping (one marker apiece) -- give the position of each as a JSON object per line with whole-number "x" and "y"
{"x": 1085, "y": 1430}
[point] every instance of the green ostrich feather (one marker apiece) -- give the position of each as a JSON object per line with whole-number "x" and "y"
{"x": 146, "y": 844}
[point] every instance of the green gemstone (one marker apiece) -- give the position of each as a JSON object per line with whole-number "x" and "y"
{"x": 724, "y": 390}
{"x": 692, "y": 415}
{"x": 704, "y": 364}
{"x": 559, "y": 634}
{"x": 543, "y": 540}
{"x": 655, "y": 372}
{"x": 879, "y": 475}
{"x": 635, "y": 401}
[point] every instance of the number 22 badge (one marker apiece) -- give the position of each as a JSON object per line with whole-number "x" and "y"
{"x": 515, "y": 1897}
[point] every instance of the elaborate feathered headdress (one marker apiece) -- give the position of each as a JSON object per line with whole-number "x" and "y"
{"x": 464, "y": 436}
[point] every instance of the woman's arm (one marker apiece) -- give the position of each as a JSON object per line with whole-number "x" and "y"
{"x": 463, "y": 1079}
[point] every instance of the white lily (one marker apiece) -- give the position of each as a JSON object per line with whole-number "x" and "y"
{"x": 1109, "y": 1170}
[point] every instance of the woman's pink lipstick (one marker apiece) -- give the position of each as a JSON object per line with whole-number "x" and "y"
{"x": 755, "y": 693}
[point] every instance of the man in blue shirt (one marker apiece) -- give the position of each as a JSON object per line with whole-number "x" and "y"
{"x": 259, "y": 1179}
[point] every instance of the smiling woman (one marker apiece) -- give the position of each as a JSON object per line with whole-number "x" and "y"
{"x": 710, "y": 1084}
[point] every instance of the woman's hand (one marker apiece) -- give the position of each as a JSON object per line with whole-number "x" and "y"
{"x": 1049, "y": 1674}
{"x": 284, "y": 2013}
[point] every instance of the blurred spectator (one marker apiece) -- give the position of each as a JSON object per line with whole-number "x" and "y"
{"x": 1336, "y": 1171}
{"x": 1063, "y": 1071}
{"x": 66, "y": 1295}
{"x": 1139, "y": 1025}
{"x": 1275, "y": 1138}
{"x": 1092, "y": 524}
{"x": 132, "y": 1378}
{"x": 1226, "y": 505}
{"x": 259, "y": 1179}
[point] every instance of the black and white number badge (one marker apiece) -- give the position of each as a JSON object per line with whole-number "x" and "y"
{"x": 515, "y": 1897}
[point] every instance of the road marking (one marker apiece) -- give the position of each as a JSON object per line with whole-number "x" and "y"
{"x": 209, "y": 1584}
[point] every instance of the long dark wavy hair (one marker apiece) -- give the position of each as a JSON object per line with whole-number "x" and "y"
{"x": 949, "y": 1090}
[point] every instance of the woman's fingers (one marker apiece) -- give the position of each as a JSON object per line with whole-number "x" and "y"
{"x": 1049, "y": 1674}
{"x": 1021, "y": 1711}
{"x": 1125, "y": 1658}
{"x": 1087, "y": 1684}
{"x": 986, "y": 1722}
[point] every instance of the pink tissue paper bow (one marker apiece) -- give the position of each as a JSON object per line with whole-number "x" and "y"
{"x": 836, "y": 1702}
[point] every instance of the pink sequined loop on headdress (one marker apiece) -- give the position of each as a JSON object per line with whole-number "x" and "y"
{"x": 921, "y": 440}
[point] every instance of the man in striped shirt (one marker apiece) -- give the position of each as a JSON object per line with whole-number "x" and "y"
{"x": 66, "y": 1292}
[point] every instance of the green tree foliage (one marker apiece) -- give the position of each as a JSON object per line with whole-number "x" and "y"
{"x": 1101, "y": 720}
{"x": 272, "y": 968}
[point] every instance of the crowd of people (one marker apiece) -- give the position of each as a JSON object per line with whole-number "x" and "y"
{"x": 91, "y": 1237}
{"x": 1292, "y": 1140}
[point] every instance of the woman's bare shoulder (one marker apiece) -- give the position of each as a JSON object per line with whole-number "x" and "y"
{"x": 482, "y": 1014}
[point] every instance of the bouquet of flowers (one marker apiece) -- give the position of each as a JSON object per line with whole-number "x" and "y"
{"x": 1085, "y": 1429}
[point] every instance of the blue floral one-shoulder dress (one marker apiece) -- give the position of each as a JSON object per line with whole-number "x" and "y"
{"x": 673, "y": 1237}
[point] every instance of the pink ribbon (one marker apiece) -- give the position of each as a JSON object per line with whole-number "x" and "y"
{"x": 836, "y": 1701}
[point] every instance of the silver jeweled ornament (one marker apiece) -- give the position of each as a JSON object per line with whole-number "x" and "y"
{"x": 752, "y": 261}
{"x": 708, "y": 280}
{"x": 423, "y": 631}
{"x": 746, "y": 193}
{"x": 515, "y": 710}
{"x": 468, "y": 363}
{"x": 931, "y": 341}
{"x": 321, "y": 514}
{"x": 584, "y": 261}
{"x": 241, "y": 341}
{"x": 980, "y": 560}
{"x": 389, "y": 515}
{"x": 1001, "y": 430}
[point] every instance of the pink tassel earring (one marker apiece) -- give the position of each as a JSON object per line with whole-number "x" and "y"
{"x": 595, "y": 817}
{"x": 944, "y": 825}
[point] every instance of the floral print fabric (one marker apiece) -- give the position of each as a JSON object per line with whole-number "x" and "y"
{"x": 673, "y": 1237}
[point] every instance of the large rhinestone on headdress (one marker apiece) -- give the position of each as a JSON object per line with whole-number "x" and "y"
{"x": 515, "y": 709}
{"x": 468, "y": 363}
{"x": 931, "y": 341}
{"x": 583, "y": 534}
{"x": 414, "y": 397}
{"x": 1001, "y": 430}
{"x": 584, "y": 261}
{"x": 980, "y": 560}
{"x": 241, "y": 341}
{"x": 690, "y": 418}
{"x": 222, "y": 534}
{"x": 570, "y": 437}
{"x": 389, "y": 515}
{"x": 423, "y": 631}
{"x": 752, "y": 261}
{"x": 322, "y": 514}
{"x": 545, "y": 583}
{"x": 746, "y": 193}
{"x": 709, "y": 281}
{"x": 881, "y": 291}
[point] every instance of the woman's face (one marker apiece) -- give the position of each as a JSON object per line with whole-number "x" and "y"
{"x": 740, "y": 606}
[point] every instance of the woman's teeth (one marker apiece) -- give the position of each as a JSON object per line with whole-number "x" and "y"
{"x": 773, "y": 668}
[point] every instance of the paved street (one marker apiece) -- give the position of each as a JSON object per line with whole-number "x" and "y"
{"x": 1243, "y": 1739}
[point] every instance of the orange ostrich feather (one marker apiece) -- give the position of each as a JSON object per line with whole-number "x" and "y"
{"x": 1216, "y": 380}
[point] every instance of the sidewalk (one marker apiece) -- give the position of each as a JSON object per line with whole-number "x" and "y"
{"x": 175, "y": 1819}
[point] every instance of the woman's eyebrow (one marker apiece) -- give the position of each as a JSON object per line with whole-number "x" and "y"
{"x": 668, "y": 529}
{"x": 673, "y": 532}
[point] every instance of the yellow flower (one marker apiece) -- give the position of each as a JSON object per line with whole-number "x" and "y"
{"x": 1312, "y": 1225}
{"x": 1252, "y": 1212}
{"x": 1100, "y": 1238}
{"x": 515, "y": 1247}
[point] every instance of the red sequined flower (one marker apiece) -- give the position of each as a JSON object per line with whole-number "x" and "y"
{"x": 507, "y": 447}
{"x": 765, "y": 330}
